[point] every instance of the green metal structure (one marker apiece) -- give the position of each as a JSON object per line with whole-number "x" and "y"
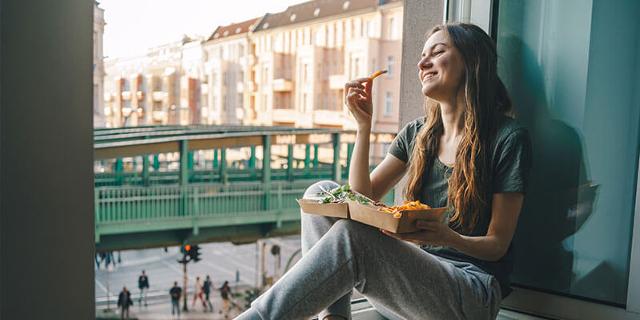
{"x": 138, "y": 203}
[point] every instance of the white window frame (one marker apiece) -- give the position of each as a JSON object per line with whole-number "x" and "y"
{"x": 388, "y": 103}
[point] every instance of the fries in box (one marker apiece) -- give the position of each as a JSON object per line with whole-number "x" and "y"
{"x": 397, "y": 219}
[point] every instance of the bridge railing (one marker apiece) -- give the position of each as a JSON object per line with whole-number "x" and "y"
{"x": 138, "y": 203}
{"x": 211, "y": 176}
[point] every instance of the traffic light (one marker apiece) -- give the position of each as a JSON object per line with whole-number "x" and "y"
{"x": 185, "y": 250}
{"x": 194, "y": 253}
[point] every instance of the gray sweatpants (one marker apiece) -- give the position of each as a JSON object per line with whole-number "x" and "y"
{"x": 399, "y": 279}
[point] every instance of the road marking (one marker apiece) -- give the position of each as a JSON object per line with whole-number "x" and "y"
{"x": 101, "y": 285}
{"x": 236, "y": 261}
{"x": 172, "y": 267}
{"x": 222, "y": 270}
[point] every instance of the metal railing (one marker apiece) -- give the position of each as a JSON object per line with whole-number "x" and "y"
{"x": 139, "y": 203}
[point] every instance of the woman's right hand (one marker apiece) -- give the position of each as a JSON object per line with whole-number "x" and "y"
{"x": 357, "y": 97}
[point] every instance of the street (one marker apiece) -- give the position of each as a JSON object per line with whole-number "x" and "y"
{"x": 221, "y": 261}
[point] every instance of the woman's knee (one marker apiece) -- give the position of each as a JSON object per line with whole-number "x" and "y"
{"x": 315, "y": 191}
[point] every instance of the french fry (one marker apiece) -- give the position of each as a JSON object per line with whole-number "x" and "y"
{"x": 407, "y": 206}
{"x": 377, "y": 74}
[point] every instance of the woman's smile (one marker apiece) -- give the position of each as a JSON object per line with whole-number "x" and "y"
{"x": 426, "y": 76}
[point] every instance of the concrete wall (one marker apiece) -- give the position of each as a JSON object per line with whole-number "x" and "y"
{"x": 46, "y": 154}
{"x": 419, "y": 17}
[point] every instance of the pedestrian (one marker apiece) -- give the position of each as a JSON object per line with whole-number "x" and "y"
{"x": 206, "y": 287}
{"x": 175, "y": 293}
{"x": 198, "y": 294}
{"x": 124, "y": 301}
{"x": 225, "y": 292}
{"x": 143, "y": 285}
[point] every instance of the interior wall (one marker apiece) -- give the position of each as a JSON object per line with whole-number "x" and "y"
{"x": 46, "y": 153}
{"x": 418, "y": 18}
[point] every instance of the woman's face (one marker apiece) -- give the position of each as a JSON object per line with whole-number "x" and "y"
{"x": 441, "y": 68}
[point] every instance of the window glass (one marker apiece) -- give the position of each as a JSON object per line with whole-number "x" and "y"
{"x": 572, "y": 70}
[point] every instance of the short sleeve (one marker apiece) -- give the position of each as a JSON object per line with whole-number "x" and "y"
{"x": 401, "y": 146}
{"x": 513, "y": 163}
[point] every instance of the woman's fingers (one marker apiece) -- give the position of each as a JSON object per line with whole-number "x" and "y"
{"x": 368, "y": 86}
{"x": 361, "y": 92}
{"x": 353, "y": 84}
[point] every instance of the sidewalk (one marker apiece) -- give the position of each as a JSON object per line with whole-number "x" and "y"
{"x": 162, "y": 311}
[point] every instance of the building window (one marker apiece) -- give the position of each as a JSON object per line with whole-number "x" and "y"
{"x": 371, "y": 30}
{"x": 388, "y": 104}
{"x": 392, "y": 29}
{"x": 224, "y": 103}
{"x": 304, "y": 102}
{"x": 389, "y": 66}
{"x": 356, "y": 68}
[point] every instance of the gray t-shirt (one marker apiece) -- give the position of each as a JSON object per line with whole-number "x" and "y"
{"x": 510, "y": 164}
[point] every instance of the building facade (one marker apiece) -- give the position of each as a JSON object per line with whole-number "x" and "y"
{"x": 305, "y": 55}
{"x": 287, "y": 68}
{"x": 228, "y": 64}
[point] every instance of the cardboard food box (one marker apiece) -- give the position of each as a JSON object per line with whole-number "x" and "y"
{"x": 370, "y": 215}
{"x": 338, "y": 210}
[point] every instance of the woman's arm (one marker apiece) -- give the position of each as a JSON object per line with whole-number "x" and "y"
{"x": 385, "y": 175}
{"x": 504, "y": 219}
{"x": 391, "y": 169}
{"x": 359, "y": 168}
{"x": 491, "y": 247}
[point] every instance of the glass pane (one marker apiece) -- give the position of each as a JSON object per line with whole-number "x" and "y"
{"x": 572, "y": 69}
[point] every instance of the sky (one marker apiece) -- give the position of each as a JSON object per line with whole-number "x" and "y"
{"x": 132, "y": 26}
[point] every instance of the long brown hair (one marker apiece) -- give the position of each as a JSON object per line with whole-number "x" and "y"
{"x": 486, "y": 99}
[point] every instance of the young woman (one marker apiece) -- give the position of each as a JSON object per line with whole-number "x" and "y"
{"x": 466, "y": 154}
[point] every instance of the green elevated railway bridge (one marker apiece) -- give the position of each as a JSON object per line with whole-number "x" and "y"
{"x": 166, "y": 185}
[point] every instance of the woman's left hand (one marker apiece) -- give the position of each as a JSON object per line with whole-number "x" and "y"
{"x": 432, "y": 232}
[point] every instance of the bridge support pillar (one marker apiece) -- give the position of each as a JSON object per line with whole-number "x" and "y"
{"x": 335, "y": 140}
{"x": 252, "y": 161}
{"x": 223, "y": 166}
{"x": 145, "y": 170}
{"x": 307, "y": 159}
{"x": 215, "y": 158}
{"x": 315, "y": 156}
{"x": 290, "y": 162}
{"x": 184, "y": 175}
{"x": 266, "y": 170}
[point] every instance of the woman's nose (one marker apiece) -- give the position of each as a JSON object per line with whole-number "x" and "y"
{"x": 424, "y": 63}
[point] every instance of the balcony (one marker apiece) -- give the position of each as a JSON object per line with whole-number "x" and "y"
{"x": 328, "y": 117}
{"x": 285, "y": 115}
{"x": 126, "y": 95}
{"x": 337, "y": 81}
{"x": 159, "y": 95}
{"x": 250, "y": 86}
{"x": 282, "y": 85}
{"x": 140, "y": 95}
{"x": 248, "y": 60}
{"x": 159, "y": 115}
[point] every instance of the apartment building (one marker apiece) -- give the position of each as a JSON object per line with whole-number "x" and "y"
{"x": 228, "y": 59}
{"x": 287, "y": 68}
{"x": 146, "y": 89}
{"x": 305, "y": 54}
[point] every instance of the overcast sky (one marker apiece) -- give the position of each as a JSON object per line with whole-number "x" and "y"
{"x": 135, "y": 25}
